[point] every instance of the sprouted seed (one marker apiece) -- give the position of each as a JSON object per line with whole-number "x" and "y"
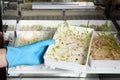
{"x": 103, "y": 27}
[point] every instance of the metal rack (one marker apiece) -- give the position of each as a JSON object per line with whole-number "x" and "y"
{"x": 2, "y": 70}
{"x": 23, "y": 10}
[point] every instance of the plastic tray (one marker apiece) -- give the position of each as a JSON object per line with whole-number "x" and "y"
{"x": 38, "y": 25}
{"x": 68, "y": 65}
{"x": 27, "y": 37}
{"x": 107, "y": 64}
{"x": 97, "y": 23}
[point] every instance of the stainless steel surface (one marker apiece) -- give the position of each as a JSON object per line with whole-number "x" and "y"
{"x": 28, "y": 13}
{"x": 10, "y": 11}
{"x": 54, "y": 78}
{"x": 41, "y": 71}
{"x": 72, "y": 5}
{"x": 58, "y": 0}
{"x": 63, "y": 0}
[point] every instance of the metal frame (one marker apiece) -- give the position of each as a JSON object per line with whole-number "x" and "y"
{"x": 2, "y": 70}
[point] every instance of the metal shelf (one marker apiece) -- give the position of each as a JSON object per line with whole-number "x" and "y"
{"x": 79, "y": 5}
{"x": 37, "y": 71}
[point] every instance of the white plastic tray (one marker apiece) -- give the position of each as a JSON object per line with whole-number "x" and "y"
{"x": 27, "y": 37}
{"x": 93, "y": 22}
{"x": 68, "y": 65}
{"x": 104, "y": 64}
{"x": 49, "y": 25}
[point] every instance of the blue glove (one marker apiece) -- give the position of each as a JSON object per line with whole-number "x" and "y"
{"x": 31, "y": 54}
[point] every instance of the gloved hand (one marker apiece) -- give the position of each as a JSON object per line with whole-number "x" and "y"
{"x": 31, "y": 54}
